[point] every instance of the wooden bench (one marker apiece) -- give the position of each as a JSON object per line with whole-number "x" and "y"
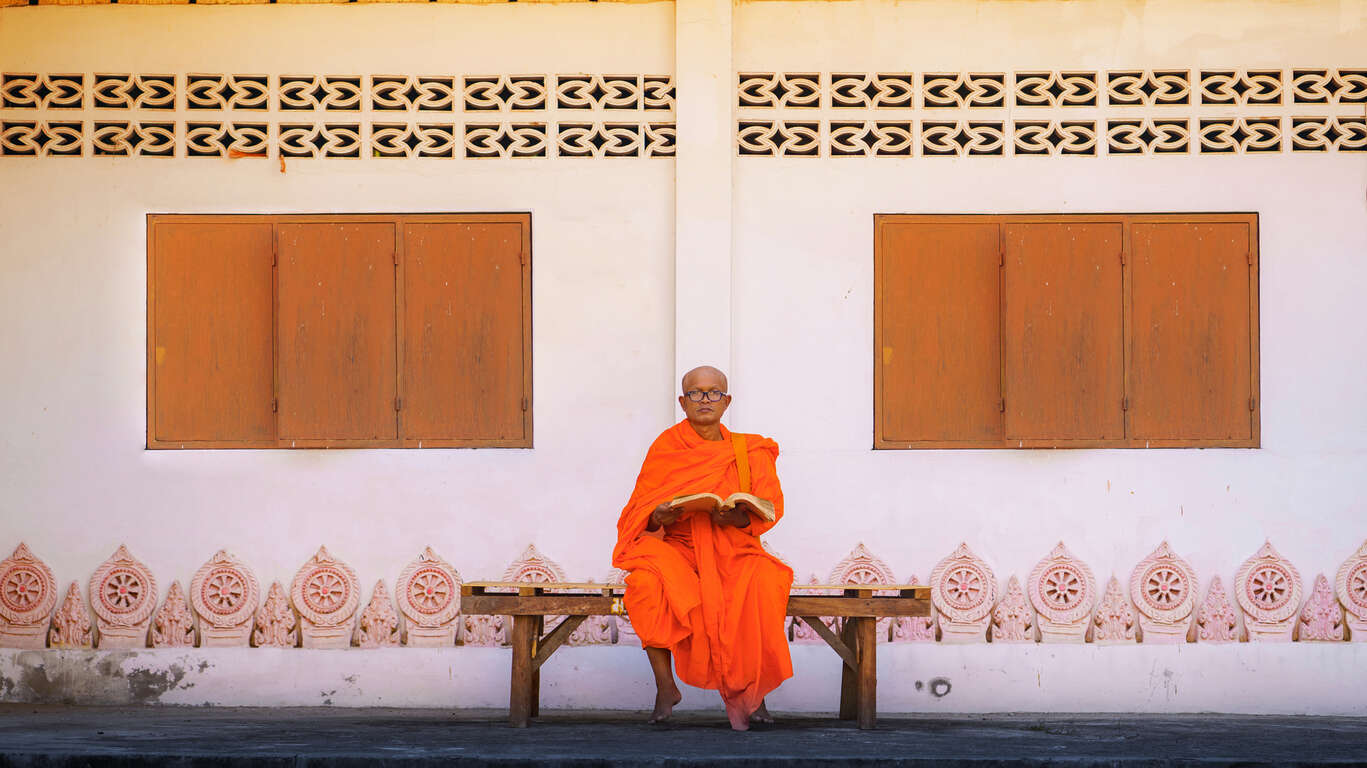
{"x": 530, "y": 604}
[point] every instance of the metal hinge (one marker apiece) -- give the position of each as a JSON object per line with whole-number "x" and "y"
{"x": 1249, "y": 258}
{"x": 1122, "y": 258}
{"x": 524, "y": 403}
{"x": 522, "y": 259}
{"x": 396, "y": 258}
{"x": 275, "y": 249}
{"x": 275, "y": 405}
{"x": 1001, "y": 405}
{"x": 1124, "y": 403}
{"x": 1252, "y": 404}
{"x": 398, "y": 403}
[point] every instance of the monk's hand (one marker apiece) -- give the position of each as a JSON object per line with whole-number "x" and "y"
{"x": 735, "y": 517}
{"x": 663, "y": 515}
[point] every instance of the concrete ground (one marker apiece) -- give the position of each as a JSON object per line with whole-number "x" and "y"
{"x": 123, "y": 736}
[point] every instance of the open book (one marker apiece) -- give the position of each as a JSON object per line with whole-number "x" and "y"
{"x": 702, "y": 503}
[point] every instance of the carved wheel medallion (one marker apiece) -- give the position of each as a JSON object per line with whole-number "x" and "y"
{"x": 430, "y": 590}
{"x": 963, "y": 588}
{"x": 862, "y": 576}
{"x": 1269, "y": 587}
{"x": 1164, "y": 587}
{"x": 326, "y": 590}
{"x": 123, "y": 591}
{"x": 1062, "y": 588}
{"x": 536, "y": 575}
{"x": 223, "y": 591}
{"x": 1357, "y": 588}
{"x": 22, "y": 589}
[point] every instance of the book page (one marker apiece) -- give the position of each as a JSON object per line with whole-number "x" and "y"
{"x": 702, "y": 503}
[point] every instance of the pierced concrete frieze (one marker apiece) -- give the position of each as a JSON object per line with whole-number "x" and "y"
{"x": 1268, "y": 589}
{"x": 861, "y": 566}
{"x": 275, "y": 621}
{"x": 912, "y": 629}
{"x": 428, "y": 592}
{"x": 327, "y": 594}
{"x": 594, "y": 630}
{"x": 599, "y": 630}
{"x": 71, "y": 623}
{"x": 484, "y": 631}
{"x": 1062, "y": 590}
{"x": 1351, "y": 586}
{"x": 1114, "y": 620}
{"x": 225, "y": 594}
{"x": 1322, "y": 617}
{"x": 1012, "y": 619}
{"x": 123, "y": 594}
{"x": 1216, "y": 622}
{"x": 1163, "y": 588}
{"x": 800, "y": 631}
{"x": 534, "y": 567}
{"x": 492, "y": 631}
{"x": 963, "y": 589}
{"x": 379, "y": 625}
{"x": 28, "y": 594}
{"x": 174, "y": 626}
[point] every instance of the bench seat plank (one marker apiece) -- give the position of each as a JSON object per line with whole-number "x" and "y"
{"x": 602, "y": 605}
{"x": 536, "y": 605}
{"x": 475, "y": 587}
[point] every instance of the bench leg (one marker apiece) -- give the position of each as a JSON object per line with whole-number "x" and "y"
{"x": 536, "y": 673}
{"x": 868, "y": 673}
{"x": 848, "y": 679}
{"x": 521, "y": 689}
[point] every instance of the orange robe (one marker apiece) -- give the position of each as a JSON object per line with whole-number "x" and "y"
{"x": 708, "y": 593}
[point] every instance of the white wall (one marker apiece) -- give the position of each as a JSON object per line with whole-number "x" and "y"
{"x": 803, "y": 242}
{"x": 75, "y": 480}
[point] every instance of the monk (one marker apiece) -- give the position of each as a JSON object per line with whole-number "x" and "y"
{"x": 700, "y": 588}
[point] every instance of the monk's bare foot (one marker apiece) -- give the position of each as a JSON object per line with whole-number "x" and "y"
{"x": 762, "y": 715}
{"x": 664, "y": 705}
{"x": 740, "y": 719}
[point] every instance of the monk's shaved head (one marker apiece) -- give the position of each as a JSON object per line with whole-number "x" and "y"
{"x": 704, "y": 373}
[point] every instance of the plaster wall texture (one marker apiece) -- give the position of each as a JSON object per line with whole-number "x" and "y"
{"x": 75, "y": 480}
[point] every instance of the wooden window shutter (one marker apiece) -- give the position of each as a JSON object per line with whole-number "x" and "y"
{"x": 210, "y": 375}
{"x": 466, "y": 377}
{"x": 1192, "y": 290}
{"x": 1063, "y": 331}
{"x": 337, "y": 356}
{"x": 938, "y": 365}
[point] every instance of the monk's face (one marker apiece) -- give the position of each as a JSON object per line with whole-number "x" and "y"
{"x": 709, "y": 382}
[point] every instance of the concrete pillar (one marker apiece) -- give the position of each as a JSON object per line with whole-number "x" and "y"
{"x": 702, "y": 186}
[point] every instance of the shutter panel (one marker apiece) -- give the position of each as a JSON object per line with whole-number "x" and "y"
{"x": 1063, "y": 331}
{"x": 939, "y": 355}
{"x": 1192, "y": 372}
{"x": 211, "y": 339}
{"x": 464, "y": 318}
{"x": 337, "y": 331}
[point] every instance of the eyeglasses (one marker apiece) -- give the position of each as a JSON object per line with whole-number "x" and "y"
{"x": 697, "y": 395}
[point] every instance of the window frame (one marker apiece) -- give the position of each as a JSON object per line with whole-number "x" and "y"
{"x": 1250, "y": 219}
{"x": 398, "y": 220}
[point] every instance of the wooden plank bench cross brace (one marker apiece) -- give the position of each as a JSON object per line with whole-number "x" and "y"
{"x": 529, "y": 605}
